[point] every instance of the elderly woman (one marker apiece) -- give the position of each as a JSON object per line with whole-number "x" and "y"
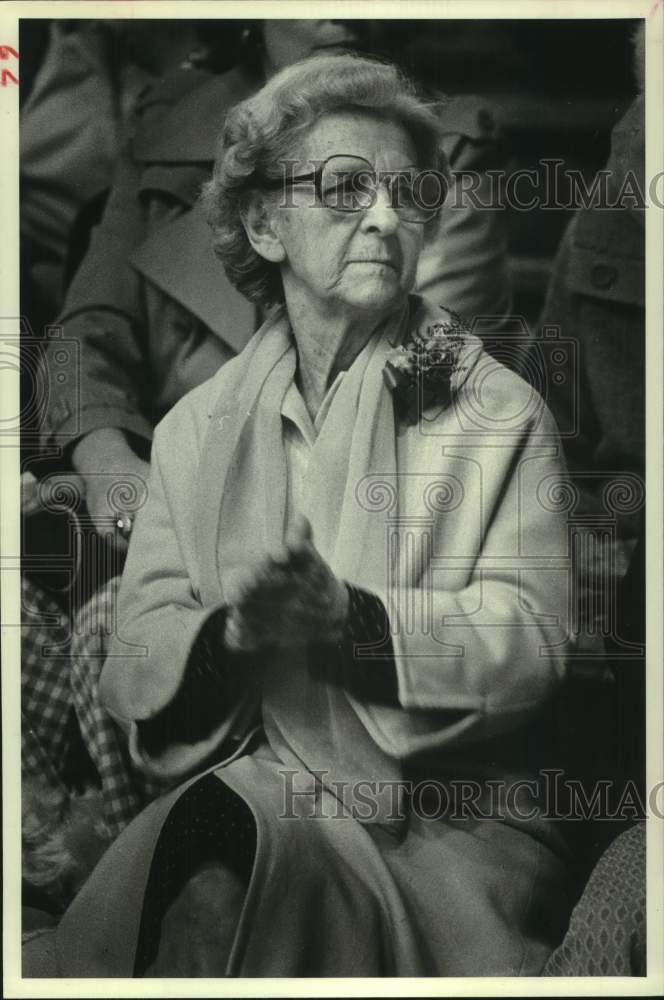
{"x": 153, "y": 317}
{"x": 346, "y": 593}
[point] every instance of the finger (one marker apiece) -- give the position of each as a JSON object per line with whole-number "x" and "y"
{"x": 306, "y": 580}
{"x": 301, "y": 556}
{"x": 279, "y": 555}
{"x": 271, "y": 613}
{"x": 303, "y": 578}
{"x": 273, "y": 587}
{"x": 273, "y": 575}
{"x": 300, "y": 531}
{"x": 309, "y": 586}
{"x": 255, "y": 575}
{"x": 289, "y": 620}
{"x": 303, "y": 553}
{"x": 30, "y": 502}
{"x": 264, "y": 626}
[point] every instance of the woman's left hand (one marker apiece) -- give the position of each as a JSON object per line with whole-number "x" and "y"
{"x": 290, "y": 598}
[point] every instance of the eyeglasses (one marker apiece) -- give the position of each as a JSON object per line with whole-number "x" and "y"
{"x": 347, "y": 183}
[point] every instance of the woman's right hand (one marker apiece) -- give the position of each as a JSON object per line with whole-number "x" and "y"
{"x": 290, "y": 598}
{"x": 114, "y": 476}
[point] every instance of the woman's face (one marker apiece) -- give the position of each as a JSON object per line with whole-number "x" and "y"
{"x": 349, "y": 261}
{"x": 289, "y": 40}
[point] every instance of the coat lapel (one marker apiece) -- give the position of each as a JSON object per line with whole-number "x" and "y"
{"x": 201, "y": 286}
{"x": 189, "y": 131}
{"x": 176, "y": 154}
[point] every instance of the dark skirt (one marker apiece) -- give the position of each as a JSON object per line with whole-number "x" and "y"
{"x": 320, "y": 895}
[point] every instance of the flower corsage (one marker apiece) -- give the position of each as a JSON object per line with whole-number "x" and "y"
{"x": 420, "y": 372}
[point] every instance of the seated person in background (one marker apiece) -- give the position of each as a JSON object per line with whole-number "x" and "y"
{"x": 258, "y": 569}
{"x": 597, "y": 297}
{"x": 73, "y": 126}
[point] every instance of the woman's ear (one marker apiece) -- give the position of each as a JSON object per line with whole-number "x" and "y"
{"x": 258, "y": 218}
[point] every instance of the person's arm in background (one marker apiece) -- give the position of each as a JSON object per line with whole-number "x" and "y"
{"x": 134, "y": 341}
{"x": 465, "y": 266}
{"x": 597, "y": 402}
{"x": 98, "y": 409}
{"x": 69, "y": 136}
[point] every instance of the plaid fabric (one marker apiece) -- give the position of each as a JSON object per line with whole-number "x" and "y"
{"x": 59, "y": 684}
{"x": 46, "y": 701}
{"x": 60, "y": 667}
{"x": 125, "y": 790}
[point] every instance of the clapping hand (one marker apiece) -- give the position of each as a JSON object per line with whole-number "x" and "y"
{"x": 290, "y": 597}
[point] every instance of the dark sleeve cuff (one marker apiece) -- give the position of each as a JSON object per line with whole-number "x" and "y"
{"x": 215, "y": 678}
{"x": 214, "y": 681}
{"x": 369, "y": 670}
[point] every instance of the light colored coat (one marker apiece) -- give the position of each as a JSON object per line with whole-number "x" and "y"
{"x": 477, "y": 489}
{"x": 475, "y": 493}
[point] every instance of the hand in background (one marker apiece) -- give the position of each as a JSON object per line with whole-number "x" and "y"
{"x": 290, "y": 598}
{"x": 58, "y": 492}
{"x": 115, "y": 480}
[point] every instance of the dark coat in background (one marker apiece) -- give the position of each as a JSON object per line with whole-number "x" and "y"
{"x": 597, "y": 297}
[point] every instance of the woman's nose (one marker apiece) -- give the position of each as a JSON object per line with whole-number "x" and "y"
{"x": 381, "y": 216}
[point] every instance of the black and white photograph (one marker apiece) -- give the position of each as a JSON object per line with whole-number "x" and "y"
{"x": 330, "y": 568}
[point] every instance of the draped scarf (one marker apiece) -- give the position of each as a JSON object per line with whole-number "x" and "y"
{"x": 312, "y": 723}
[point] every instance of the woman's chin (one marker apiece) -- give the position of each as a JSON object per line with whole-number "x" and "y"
{"x": 377, "y": 296}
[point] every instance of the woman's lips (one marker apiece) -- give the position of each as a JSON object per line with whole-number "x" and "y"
{"x": 374, "y": 260}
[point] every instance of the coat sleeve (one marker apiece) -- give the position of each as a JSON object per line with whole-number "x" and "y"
{"x": 104, "y": 320}
{"x": 167, "y": 679}
{"x": 133, "y": 342}
{"x": 476, "y": 660}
